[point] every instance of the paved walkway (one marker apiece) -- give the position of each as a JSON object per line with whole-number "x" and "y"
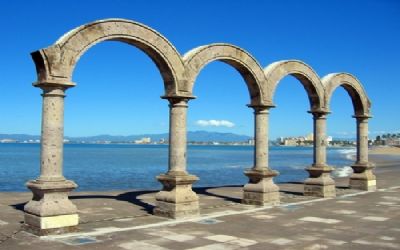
{"x": 120, "y": 220}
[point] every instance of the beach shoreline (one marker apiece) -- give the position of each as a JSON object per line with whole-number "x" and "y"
{"x": 384, "y": 150}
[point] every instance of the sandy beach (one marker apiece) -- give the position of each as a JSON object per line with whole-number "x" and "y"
{"x": 384, "y": 150}
{"x": 384, "y": 156}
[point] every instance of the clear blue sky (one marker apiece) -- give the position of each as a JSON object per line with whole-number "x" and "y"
{"x": 119, "y": 87}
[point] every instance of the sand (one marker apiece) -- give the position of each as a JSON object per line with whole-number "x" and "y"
{"x": 384, "y": 150}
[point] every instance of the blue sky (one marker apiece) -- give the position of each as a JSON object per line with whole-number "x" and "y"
{"x": 119, "y": 87}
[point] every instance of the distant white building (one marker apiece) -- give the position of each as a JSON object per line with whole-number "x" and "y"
{"x": 309, "y": 137}
{"x": 251, "y": 142}
{"x": 144, "y": 140}
{"x": 8, "y": 141}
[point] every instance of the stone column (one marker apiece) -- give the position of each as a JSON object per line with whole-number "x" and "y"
{"x": 261, "y": 188}
{"x": 177, "y": 199}
{"x": 50, "y": 210}
{"x": 362, "y": 177}
{"x": 319, "y": 182}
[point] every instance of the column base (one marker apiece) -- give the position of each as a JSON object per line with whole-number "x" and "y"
{"x": 363, "y": 177}
{"x": 177, "y": 199}
{"x": 50, "y": 211}
{"x": 59, "y": 224}
{"x": 261, "y": 189}
{"x": 320, "y": 183}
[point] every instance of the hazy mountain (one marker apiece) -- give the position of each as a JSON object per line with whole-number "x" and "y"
{"x": 198, "y": 136}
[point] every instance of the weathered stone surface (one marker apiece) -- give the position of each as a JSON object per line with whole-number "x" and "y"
{"x": 363, "y": 177}
{"x": 57, "y": 62}
{"x": 238, "y": 58}
{"x": 261, "y": 190}
{"x": 320, "y": 183}
{"x": 50, "y": 198}
{"x": 303, "y": 72}
{"x": 353, "y": 86}
{"x": 177, "y": 199}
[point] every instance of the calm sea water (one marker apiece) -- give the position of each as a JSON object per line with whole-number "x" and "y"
{"x": 122, "y": 167}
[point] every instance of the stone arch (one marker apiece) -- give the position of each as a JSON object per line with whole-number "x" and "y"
{"x": 354, "y": 88}
{"x": 56, "y": 63}
{"x": 238, "y": 58}
{"x": 302, "y": 72}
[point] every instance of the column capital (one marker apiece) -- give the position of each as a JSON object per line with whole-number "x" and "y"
{"x": 53, "y": 92}
{"x": 178, "y": 101}
{"x": 260, "y": 108}
{"x": 319, "y": 113}
{"x": 49, "y": 84}
{"x": 54, "y": 88}
{"x": 362, "y": 118}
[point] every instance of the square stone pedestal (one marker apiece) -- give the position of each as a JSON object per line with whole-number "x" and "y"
{"x": 177, "y": 199}
{"x": 363, "y": 178}
{"x": 50, "y": 211}
{"x": 320, "y": 183}
{"x": 261, "y": 189}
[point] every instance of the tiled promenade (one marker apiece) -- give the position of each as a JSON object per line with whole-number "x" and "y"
{"x": 112, "y": 220}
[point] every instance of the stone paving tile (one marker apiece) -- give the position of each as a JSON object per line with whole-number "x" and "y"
{"x": 140, "y": 245}
{"x": 282, "y": 241}
{"x": 335, "y": 242}
{"x": 243, "y": 242}
{"x": 375, "y": 218}
{"x": 180, "y": 237}
{"x": 378, "y": 244}
{"x": 345, "y": 201}
{"x": 221, "y": 238}
{"x": 344, "y": 212}
{"x": 319, "y": 220}
{"x": 216, "y": 246}
{"x": 391, "y": 198}
{"x": 263, "y": 216}
{"x": 383, "y": 237}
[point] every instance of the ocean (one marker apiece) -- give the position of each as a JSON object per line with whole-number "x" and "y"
{"x": 100, "y": 167}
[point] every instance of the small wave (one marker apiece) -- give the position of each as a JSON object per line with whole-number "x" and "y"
{"x": 297, "y": 166}
{"x": 343, "y": 172}
{"x": 234, "y": 166}
{"x": 350, "y": 153}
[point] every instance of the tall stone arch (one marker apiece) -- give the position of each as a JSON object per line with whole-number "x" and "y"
{"x": 238, "y": 58}
{"x": 310, "y": 80}
{"x": 362, "y": 177}
{"x": 261, "y": 189}
{"x": 56, "y": 63}
{"x": 354, "y": 88}
{"x": 50, "y": 210}
{"x": 319, "y": 182}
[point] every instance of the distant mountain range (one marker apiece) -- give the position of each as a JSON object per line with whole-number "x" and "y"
{"x": 195, "y": 136}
